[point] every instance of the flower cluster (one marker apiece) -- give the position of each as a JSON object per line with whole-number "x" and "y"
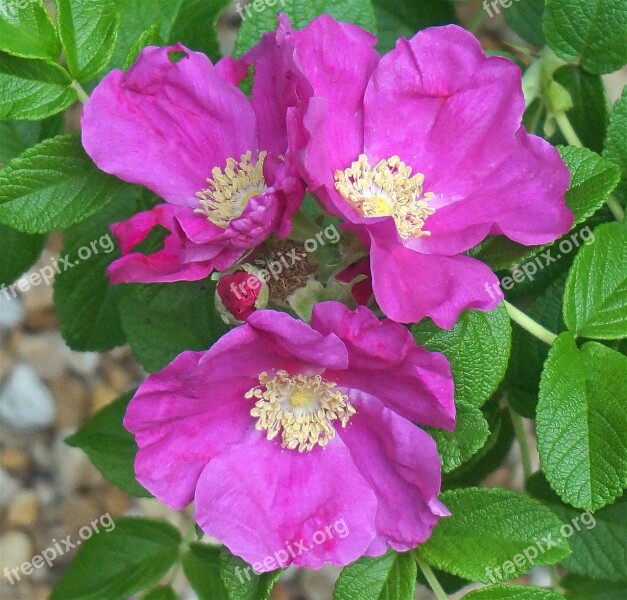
{"x": 285, "y": 426}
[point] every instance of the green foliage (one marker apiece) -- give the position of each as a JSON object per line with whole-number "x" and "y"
{"x": 487, "y": 528}
{"x": 88, "y": 33}
{"x": 581, "y": 414}
{"x": 591, "y": 31}
{"x": 118, "y": 563}
{"x": 616, "y": 142}
{"x": 511, "y": 592}
{"x": 110, "y": 446}
{"x": 388, "y": 577}
{"x": 477, "y": 348}
{"x": 525, "y": 18}
{"x": 53, "y": 185}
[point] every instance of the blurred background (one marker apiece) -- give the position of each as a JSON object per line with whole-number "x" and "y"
{"x": 49, "y": 490}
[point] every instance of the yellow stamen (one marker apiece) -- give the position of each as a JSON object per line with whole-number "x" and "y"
{"x": 231, "y": 188}
{"x": 300, "y": 407}
{"x": 387, "y": 190}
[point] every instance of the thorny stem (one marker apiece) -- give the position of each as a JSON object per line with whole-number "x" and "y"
{"x": 528, "y": 324}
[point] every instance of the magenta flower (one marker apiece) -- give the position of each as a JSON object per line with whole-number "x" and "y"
{"x": 423, "y": 153}
{"x": 179, "y": 126}
{"x": 282, "y": 430}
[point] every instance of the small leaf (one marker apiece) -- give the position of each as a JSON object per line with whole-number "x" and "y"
{"x": 202, "y": 564}
{"x": 388, "y": 577}
{"x": 27, "y": 30}
{"x": 616, "y": 141}
{"x": 88, "y": 33}
{"x": 32, "y": 89}
{"x": 240, "y": 580}
{"x": 512, "y": 592}
{"x": 256, "y": 22}
{"x": 485, "y": 537}
{"x": 118, "y": 563}
{"x": 477, "y": 348}
{"x": 595, "y": 298}
{"x": 591, "y": 31}
{"x": 53, "y": 185}
{"x": 582, "y": 422}
{"x": 174, "y": 317}
{"x": 525, "y": 18}
{"x": 470, "y": 434}
{"x": 111, "y": 447}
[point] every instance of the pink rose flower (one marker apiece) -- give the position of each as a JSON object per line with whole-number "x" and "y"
{"x": 179, "y": 126}
{"x": 284, "y": 429}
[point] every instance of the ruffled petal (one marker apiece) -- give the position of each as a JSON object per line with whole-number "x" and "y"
{"x": 402, "y": 466}
{"x": 275, "y": 507}
{"x": 409, "y": 286}
{"x": 181, "y": 420}
{"x": 165, "y": 124}
{"x": 385, "y": 362}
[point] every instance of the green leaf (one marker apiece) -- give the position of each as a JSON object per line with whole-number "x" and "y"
{"x": 489, "y": 457}
{"x": 582, "y": 588}
{"x": 116, "y": 564}
{"x": 150, "y": 37}
{"x": 582, "y": 422}
{"x": 301, "y": 12}
{"x": 88, "y": 33}
{"x": 136, "y": 16}
{"x": 111, "y": 447}
{"x": 17, "y": 136}
{"x": 241, "y": 582}
{"x": 388, "y": 577}
{"x": 487, "y": 533}
{"x": 513, "y": 592}
{"x": 195, "y": 25}
{"x": 174, "y": 317}
{"x": 85, "y": 302}
{"x": 32, "y": 89}
{"x": 27, "y": 30}
{"x": 163, "y": 592}
{"x": 403, "y": 18}
{"x": 18, "y": 251}
{"x": 598, "y": 541}
{"x": 525, "y": 18}
{"x": 202, "y": 564}
{"x": 470, "y": 434}
{"x": 616, "y": 141}
{"x": 477, "y": 348}
{"x": 593, "y": 179}
{"x": 595, "y": 299}
{"x": 591, "y": 31}
{"x": 52, "y": 186}
{"x": 588, "y": 114}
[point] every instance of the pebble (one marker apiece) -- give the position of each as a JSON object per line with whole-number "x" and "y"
{"x": 11, "y": 311}
{"x": 102, "y": 395}
{"x": 15, "y": 548}
{"x": 72, "y": 398}
{"x": 25, "y": 402}
{"x": 24, "y": 509}
{"x": 9, "y": 487}
{"x": 14, "y": 460}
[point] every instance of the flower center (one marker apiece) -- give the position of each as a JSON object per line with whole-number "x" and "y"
{"x": 300, "y": 407}
{"x": 387, "y": 190}
{"x": 231, "y": 188}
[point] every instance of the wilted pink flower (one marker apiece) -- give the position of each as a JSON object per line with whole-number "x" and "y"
{"x": 179, "y": 126}
{"x": 239, "y": 293}
{"x": 362, "y": 290}
{"x": 423, "y": 151}
{"x": 283, "y": 429}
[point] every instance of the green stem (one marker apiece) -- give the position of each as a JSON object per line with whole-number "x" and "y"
{"x": 528, "y": 324}
{"x": 523, "y": 442}
{"x": 439, "y": 592}
{"x": 616, "y": 208}
{"x": 80, "y": 92}
{"x": 567, "y": 129}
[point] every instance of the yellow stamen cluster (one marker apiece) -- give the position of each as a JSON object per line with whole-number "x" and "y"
{"x": 387, "y": 190}
{"x": 231, "y": 188}
{"x": 300, "y": 407}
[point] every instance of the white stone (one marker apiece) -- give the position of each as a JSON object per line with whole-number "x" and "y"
{"x": 11, "y": 311}
{"x": 9, "y": 486}
{"x": 25, "y": 402}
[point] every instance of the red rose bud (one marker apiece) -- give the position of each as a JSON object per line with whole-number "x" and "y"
{"x": 362, "y": 290}
{"x": 239, "y": 295}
